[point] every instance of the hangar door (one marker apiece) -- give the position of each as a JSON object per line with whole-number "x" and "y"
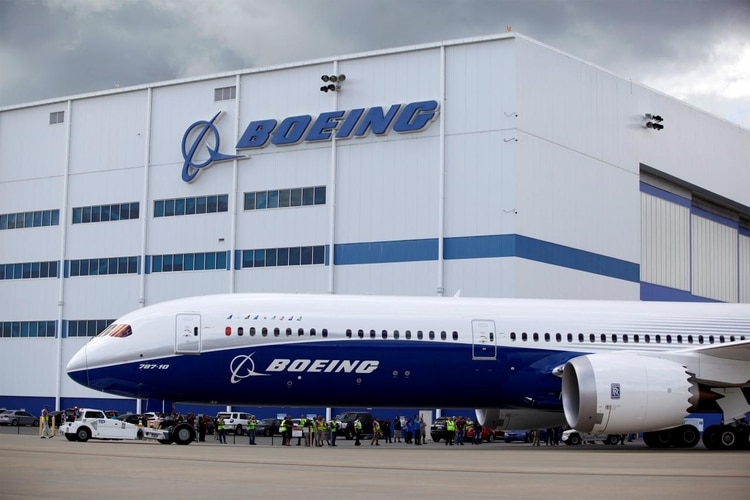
{"x": 187, "y": 334}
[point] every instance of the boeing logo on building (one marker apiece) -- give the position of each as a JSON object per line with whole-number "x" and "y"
{"x": 359, "y": 122}
{"x": 198, "y": 131}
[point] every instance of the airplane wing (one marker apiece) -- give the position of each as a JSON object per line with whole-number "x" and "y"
{"x": 737, "y": 351}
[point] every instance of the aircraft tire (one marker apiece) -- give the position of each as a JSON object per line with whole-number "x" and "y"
{"x": 657, "y": 439}
{"x": 612, "y": 439}
{"x": 574, "y": 440}
{"x": 685, "y": 436}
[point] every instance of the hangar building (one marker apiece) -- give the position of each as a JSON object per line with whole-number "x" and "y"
{"x": 493, "y": 166}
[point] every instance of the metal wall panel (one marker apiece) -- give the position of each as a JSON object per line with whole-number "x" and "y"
{"x": 714, "y": 260}
{"x": 744, "y": 268}
{"x": 665, "y": 243}
{"x": 30, "y": 148}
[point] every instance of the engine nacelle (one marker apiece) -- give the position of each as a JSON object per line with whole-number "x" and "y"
{"x": 621, "y": 393}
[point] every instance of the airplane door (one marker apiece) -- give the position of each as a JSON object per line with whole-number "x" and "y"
{"x": 483, "y": 340}
{"x": 187, "y": 334}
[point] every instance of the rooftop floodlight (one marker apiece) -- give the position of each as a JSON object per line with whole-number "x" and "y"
{"x": 332, "y": 87}
{"x": 342, "y": 78}
{"x": 654, "y": 126}
{"x": 324, "y": 88}
{"x": 325, "y": 78}
{"x": 333, "y": 78}
{"x": 657, "y": 118}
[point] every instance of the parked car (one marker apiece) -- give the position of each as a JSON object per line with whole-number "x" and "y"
{"x": 235, "y": 421}
{"x": 267, "y": 427}
{"x": 438, "y": 430}
{"x": 516, "y": 436}
{"x": 18, "y": 417}
{"x": 131, "y": 418}
{"x": 346, "y": 423}
{"x": 488, "y": 434}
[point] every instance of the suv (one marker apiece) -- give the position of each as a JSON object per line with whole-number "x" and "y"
{"x": 346, "y": 423}
{"x": 235, "y": 421}
{"x": 438, "y": 430}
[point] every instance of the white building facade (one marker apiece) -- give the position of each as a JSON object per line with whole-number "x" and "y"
{"x": 494, "y": 166}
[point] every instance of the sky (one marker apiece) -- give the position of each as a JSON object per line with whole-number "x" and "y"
{"x": 694, "y": 50}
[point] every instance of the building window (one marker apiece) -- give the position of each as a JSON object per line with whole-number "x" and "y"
{"x": 87, "y": 327}
{"x": 104, "y": 266}
{"x": 106, "y": 213}
{"x": 280, "y": 257}
{"x": 56, "y": 117}
{"x": 38, "y": 218}
{"x": 28, "y": 270}
{"x": 225, "y": 93}
{"x": 21, "y": 329}
{"x": 284, "y": 198}
{"x": 202, "y": 261}
{"x": 190, "y": 206}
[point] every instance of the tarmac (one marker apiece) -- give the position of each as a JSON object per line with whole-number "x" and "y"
{"x": 31, "y": 468}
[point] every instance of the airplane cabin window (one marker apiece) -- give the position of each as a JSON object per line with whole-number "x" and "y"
{"x": 228, "y": 331}
{"x": 592, "y": 338}
{"x": 252, "y": 331}
{"x": 240, "y": 331}
{"x": 325, "y": 332}
{"x": 300, "y": 332}
{"x": 536, "y": 337}
{"x": 524, "y": 337}
{"x": 658, "y": 339}
{"x": 276, "y": 332}
{"x": 603, "y": 338}
{"x": 372, "y": 334}
{"x": 614, "y": 338}
{"x": 395, "y": 334}
{"x": 348, "y": 333}
{"x": 647, "y": 338}
{"x": 625, "y": 338}
{"x": 455, "y": 335}
{"x": 384, "y": 334}
{"x": 361, "y": 334}
{"x": 669, "y": 339}
{"x": 432, "y": 335}
{"x": 558, "y": 337}
{"x": 312, "y": 332}
{"x": 690, "y": 339}
{"x": 288, "y": 332}
{"x": 264, "y": 332}
{"x": 419, "y": 334}
{"x": 580, "y": 337}
{"x": 513, "y": 336}
{"x": 546, "y": 337}
{"x": 443, "y": 335}
{"x": 408, "y": 334}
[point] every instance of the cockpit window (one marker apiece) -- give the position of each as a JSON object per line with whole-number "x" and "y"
{"x": 116, "y": 330}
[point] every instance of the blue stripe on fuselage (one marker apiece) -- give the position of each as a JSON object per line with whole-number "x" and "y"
{"x": 377, "y": 373}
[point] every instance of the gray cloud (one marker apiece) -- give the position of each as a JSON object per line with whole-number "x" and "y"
{"x": 54, "y": 48}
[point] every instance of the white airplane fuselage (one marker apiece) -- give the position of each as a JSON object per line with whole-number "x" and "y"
{"x": 608, "y": 365}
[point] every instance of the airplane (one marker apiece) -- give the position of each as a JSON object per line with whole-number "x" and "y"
{"x": 607, "y": 367}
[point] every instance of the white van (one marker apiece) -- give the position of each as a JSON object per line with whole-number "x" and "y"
{"x": 235, "y": 421}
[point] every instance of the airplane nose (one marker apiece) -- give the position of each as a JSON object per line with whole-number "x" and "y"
{"x": 78, "y": 367}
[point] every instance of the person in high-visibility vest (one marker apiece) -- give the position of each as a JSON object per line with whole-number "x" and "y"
{"x": 303, "y": 425}
{"x": 320, "y": 425}
{"x": 45, "y": 423}
{"x": 282, "y": 431}
{"x": 375, "y": 432}
{"x": 251, "y": 430}
{"x": 220, "y": 430}
{"x": 450, "y": 426}
{"x": 333, "y": 427}
{"x": 357, "y": 431}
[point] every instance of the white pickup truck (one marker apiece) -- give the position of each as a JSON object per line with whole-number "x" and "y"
{"x": 94, "y": 424}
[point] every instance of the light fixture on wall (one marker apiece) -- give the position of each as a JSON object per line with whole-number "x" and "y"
{"x": 653, "y": 121}
{"x": 332, "y": 87}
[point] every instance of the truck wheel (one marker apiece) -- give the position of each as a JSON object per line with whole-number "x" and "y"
{"x": 612, "y": 439}
{"x": 70, "y": 436}
{"x": 238, "y": 430}
{"x": 83, "y": 434}
{"x": 183, "y": 434}
{"x": 574, "y": 439}
{"x": 435, "y": 438}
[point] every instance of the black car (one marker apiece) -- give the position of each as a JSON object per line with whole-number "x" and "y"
{"x": 267, "y": 427}
{"x": 346, "y": 423}
{"x": 438, "y": 430}
{"x": 132, "y": 418}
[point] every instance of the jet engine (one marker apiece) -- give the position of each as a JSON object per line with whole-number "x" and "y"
{"x": 621, "y": 393}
